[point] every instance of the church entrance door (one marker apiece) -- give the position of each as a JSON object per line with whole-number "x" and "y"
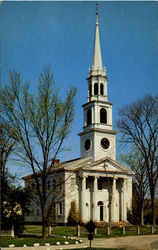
{"x": 100, "y": 204}
{"x": 101, "y": 213}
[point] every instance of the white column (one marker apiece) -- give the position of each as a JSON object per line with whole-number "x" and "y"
{"x": 83, "y": 203}
{"x": 92, "y": 110}
{"x": 122, "y": 208}
{"x": 92, "y": 88}
{"x": 124, "y": 200}
{"x": 113, "y": 200}
{"x": 95, "y": 188}
{"x": 94, "y": 118}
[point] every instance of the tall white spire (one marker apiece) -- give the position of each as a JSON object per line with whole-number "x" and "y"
{"x": 97, "y": 59}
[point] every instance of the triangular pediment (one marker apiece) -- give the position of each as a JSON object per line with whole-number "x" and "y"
{"x": 108, "y": 165}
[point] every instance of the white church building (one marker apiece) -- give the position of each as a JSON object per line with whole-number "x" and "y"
{"x": 100, "y": 185}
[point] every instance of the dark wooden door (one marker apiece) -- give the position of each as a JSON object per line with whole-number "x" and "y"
{"x": 101, "y": 213}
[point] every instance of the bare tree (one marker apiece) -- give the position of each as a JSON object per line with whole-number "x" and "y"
{"x": 42, "y": 122}
{"x": 139, "y": 126}
{"x": 7, "y": 145}
{"x": 136, "y": 162}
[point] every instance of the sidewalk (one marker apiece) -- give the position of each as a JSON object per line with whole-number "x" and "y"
{"x": 146, "y": 242}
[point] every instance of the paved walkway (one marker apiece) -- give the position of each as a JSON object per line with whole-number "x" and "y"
{"x": 146, "y": 242}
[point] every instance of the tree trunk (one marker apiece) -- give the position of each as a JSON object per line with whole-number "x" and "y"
{"x": 44, "y": 229}
{"x": 49, "y": 231}
{"x": 44, "y": 209}
{"x": 44, "y": 226}
{"x": 142, "y": 214}
{"x": 153, "y": 207}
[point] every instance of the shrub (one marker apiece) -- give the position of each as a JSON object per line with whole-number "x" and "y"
{"x": 51, "y": 215}
{"x": 74, "y": 215}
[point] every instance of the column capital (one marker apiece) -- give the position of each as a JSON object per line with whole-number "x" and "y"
{"x": 115, "y": 177}
{"x": 83, "y": 183}
{"x": 83, "y": 177}
{"x": 124, "y": 181}
{"x": 95, "y": 183}
{"x": 96, "y": 177}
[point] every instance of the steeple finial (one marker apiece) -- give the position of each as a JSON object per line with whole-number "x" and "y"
{"x": 96, "y": 13}
{"x": 97, "y": 59}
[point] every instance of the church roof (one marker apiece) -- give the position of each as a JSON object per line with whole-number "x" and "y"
{"x": 74, "y": 164}
{"x": 88, "y": 164}
{"x": 106, "y": 164}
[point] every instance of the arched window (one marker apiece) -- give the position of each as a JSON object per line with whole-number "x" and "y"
{"x": 101, "y": 89}
{"x": 89, "y": 117}
{"x": 103, "y": 116}
{"x": 37, "y": 212}
{"x": 90, "y": 89}
{"x": 100, "y": 203}
{"x": 96, "y": 88}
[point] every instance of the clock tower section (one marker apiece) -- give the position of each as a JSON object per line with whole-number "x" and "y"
{"x": 98, "y": 138}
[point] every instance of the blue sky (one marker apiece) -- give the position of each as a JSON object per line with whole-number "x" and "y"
{"x": 36, "y": 35}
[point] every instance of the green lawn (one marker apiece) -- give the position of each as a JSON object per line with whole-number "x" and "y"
{"x": 59, "y": 231}
{"x": 19, "y": 242}
{"x": 130, "y": 231}
{"x": 101, "y": 232}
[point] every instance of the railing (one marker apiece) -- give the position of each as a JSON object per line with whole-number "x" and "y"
{"x": 118, "y": 231}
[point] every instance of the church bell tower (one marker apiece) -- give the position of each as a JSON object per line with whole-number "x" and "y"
{"x": 98, "y": 138}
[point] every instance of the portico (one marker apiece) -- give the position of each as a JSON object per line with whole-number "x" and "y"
{"x": 103, "y": 197}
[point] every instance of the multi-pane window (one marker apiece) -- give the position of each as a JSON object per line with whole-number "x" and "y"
{"x": 37, "y": 212}
{"x": 59, "y": 208}
{"x": 60, "y": 184}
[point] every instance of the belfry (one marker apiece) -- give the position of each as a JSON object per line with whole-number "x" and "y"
{"x": 100, "y": 186}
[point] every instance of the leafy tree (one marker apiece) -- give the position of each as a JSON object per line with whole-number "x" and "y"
{"x": 74, "y": 214}
{"x": 138, "y": 124}
{"x": 42, "y": 123}
{"x": 15, "y": 204}
{"x": 136, "y": 162}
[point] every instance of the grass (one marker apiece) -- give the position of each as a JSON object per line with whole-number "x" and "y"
{"x": 101, "y": 232}
{"x": 59, "y": 231}
{"x": 19, "y": 242}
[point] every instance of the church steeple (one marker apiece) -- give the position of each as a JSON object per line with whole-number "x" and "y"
{"x": 97, "y": 78}
{"x": 98, "y": 138}
{"x": 97, "y": 59}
